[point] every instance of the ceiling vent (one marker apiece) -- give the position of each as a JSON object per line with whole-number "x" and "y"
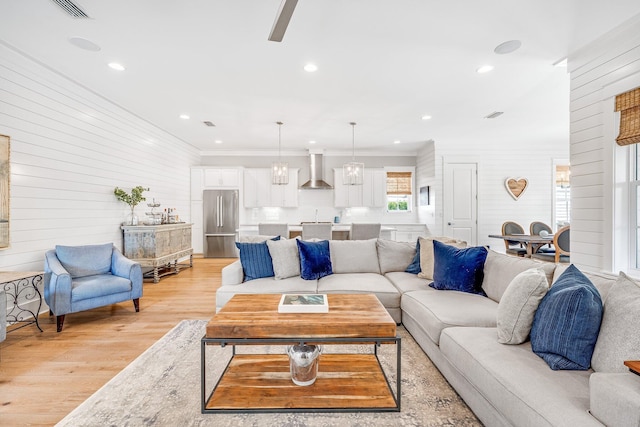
{"x": 71, "y": 8}
{"x": 494, "y": 115}
{"x": 208, "y": 123}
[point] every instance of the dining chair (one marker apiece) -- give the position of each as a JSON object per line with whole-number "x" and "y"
{"x": 512, "y": 247}
{"x": 561, "y": 241}
{"x": 535, "y": 228}
{"x": 271, "y": 229}
{"x": 319, "y": 230}
{"x": 364, "y": 231}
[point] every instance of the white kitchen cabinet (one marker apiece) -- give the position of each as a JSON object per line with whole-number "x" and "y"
{"x": 286, "y": 196}
{"x": 372, "y": 193}
{"x": 374, "y": 189}
{"x": 410, "y": 232}
{"x": 197, "y": 183}
{"x": 221, "y": 177}
{"x": 197, "y": 227}
{"x": 259, "y": 192}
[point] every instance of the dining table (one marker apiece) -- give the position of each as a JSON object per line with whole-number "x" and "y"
{"x": 532, "y": 242}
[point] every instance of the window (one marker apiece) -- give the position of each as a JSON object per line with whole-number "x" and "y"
{"x": 634, "y": 220}
{"x": 399, "y": 191}
{"x": 563, "y": 195}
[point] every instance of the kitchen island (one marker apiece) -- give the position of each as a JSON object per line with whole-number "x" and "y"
{"x": 338, "y": 231}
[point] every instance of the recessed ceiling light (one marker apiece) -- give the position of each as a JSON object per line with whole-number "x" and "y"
{"x": 83, "y": 43}
{"x": 508, "y": 47}
{"x": 184, "y": 116}
{"x": 484, "y": 69}
{"x": 426, "y": 117}
{"x": 116, "y": 66}
{"x": 312, "y": 142}
{"x": 396, "y": 142}
{"x": 310, "y": 68}
{"x": 217, "y": 141}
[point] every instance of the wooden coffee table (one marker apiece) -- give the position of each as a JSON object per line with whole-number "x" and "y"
{"x": 262, "y": 383}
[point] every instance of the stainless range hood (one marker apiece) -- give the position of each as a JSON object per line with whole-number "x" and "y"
{"x": 315, "y": 174}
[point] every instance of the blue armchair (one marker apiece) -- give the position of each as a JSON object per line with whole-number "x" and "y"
{"x": 78, "y": 278}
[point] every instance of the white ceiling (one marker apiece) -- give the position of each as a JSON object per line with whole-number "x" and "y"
{"x": 382, "y": 64}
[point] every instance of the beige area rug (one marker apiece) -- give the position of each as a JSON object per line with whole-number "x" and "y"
{"x": 162, "y": 388}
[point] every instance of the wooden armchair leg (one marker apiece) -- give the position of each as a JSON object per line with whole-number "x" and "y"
{"x": 136, "y": 304}
{"x": 60, "y": 322}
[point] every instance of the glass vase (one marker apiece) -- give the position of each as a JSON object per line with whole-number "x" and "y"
{"x": 303, "y": 362}
{"x": 131, "y": 218}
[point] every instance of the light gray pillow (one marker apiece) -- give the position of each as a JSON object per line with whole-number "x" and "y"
{"x": 519, "y": 304}
{"x": 284, "y": 257}
{"x": 354, "y": 256}
{"x": 619, "y": 339}
{"x": 501, "y": 269}
{"x": 394, "y": 256}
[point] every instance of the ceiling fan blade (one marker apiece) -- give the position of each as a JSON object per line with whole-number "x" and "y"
{"x": 282, "y": 20}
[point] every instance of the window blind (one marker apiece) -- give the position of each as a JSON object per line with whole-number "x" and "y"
{"x": 399, "y": 183}
{"x": 628, "y": 104}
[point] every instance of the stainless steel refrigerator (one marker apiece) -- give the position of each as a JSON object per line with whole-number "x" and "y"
{"x": 220, "y": 223}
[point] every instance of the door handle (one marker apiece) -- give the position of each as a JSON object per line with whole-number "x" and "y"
{"x": 221, "y": 212}
{"x": 450, "y": 223}
{"x": 217, "y": 211}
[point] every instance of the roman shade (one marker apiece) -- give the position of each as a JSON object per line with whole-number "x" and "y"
{"x": 628, "y": 104}
{"x": 399, "y": 183}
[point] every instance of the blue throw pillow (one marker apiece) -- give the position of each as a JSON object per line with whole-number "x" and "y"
{"x": 315, "y": 259}
{"x": 458, "y": 269}
{"x": 567, "y": 322}
{"x": 256, "y": 260}
{"x": 414, "y": 267}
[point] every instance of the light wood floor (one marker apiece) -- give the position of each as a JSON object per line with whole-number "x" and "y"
{"x": 45, "y": 375}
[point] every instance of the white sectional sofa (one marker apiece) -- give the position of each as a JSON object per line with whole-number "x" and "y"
{"x": 505, "y": 385}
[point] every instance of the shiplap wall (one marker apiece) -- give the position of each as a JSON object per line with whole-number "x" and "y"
{"x": 69, "y": 149}
{"x": 426, "y": 176}
{"x": 605, "y": 68}
{"x": 495, "y": 164}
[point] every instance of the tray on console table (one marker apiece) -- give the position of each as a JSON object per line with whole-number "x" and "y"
{"x": 159, "y": 247}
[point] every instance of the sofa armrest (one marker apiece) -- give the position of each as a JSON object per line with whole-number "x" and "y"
{"x": 57, "y": 284}
{"x": 124, "y": 267}
{"x": 615, "y": 398}
{"x": 232, "y": 274}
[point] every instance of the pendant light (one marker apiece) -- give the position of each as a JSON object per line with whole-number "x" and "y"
{"x": 353, "y": 172}
{"x": 279, "y": 169}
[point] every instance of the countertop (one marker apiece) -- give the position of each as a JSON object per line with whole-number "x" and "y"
{"x": 298, "y": 227}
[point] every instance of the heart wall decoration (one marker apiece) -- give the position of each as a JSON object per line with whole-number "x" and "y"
{"x": 516, "y": 186}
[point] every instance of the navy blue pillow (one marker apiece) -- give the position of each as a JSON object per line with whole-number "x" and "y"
{"x": 256, "y": 260}
{"x": 315, "y": 259}
{"x": 458, "y": 269}
{"x": 414, "y": 267}
{"x": 567, "y": 322}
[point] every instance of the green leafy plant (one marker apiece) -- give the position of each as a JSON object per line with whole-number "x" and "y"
{"x": 131, "y": 199}
{"x": 392, "y": 206}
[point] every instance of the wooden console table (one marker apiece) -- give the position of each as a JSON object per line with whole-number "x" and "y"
{"x": 21, "y": 288}
{"x": 159, "y": 247}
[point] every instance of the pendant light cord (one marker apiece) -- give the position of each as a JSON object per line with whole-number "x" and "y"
{"x": 353, "y": 141}
{"x": 279, "y": 141}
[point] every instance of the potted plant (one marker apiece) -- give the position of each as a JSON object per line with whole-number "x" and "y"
{"x": 132, "y": 200}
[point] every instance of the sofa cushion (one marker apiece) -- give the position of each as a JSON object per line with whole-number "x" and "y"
{"x": 86, "y": 260}
{"x": 268, "y": 285}
{"x": 501, "y": 269}
{"x": 436, "y": 310}
{"x": 256, "y": 260}
{"x": 458, "y": 269}
{"x": 361, "y": 283}
{"x": 518, "y": 305}
{"x": 615, "y": 398}
{"x": 284, "y": 257}
{"x": 405, "y": 282}
{"x": 425, "y": 252}
{"x": 566, "y": 325}
{"x": 414, "y": 267}
{"x": 354, "y": 256}
{"x": 315, "y": 259}
{"x": 394, "y": 256}
{"x": 619, "y": 337}
{"x": 89, "y": 287}
{"x": 516, "y": 381}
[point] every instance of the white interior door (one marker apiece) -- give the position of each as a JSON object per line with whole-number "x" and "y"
{"x": 460, "y": 201}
